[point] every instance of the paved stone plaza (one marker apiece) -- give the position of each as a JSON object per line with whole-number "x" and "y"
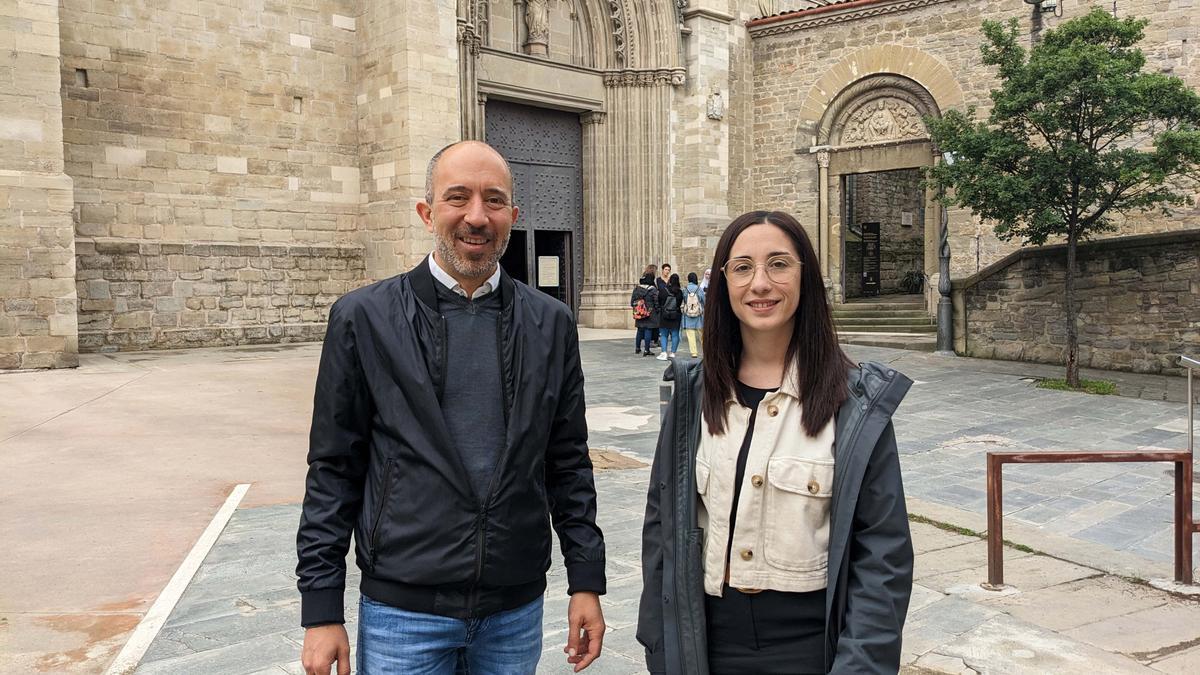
{"x": 239, "y": 613}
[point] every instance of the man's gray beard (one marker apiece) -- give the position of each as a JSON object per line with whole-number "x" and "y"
{"x": 471, "y": 269}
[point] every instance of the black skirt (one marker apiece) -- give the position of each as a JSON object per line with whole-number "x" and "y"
{"x": 769, "y": 632}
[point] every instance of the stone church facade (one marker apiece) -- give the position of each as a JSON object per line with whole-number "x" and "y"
{"x": 212, "y": 172}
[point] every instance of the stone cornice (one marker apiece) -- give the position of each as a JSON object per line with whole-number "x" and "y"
{"x": 1157, "y": 239}
{"x": 714, "y": 15}
{"x": 675, "y": 77}
{"x": 816, "y": 17}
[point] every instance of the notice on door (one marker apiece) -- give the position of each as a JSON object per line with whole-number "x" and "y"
{"x": 547, "y": 271}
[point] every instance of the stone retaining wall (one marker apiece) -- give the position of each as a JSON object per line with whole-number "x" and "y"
{"x": 146, "y": 295}
{"x": 1139, "y": 301}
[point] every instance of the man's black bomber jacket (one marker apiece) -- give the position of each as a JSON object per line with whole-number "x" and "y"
{"x": 381, "y": 462}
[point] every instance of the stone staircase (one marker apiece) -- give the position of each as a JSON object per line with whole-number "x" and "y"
{"x": 898, "y": 321}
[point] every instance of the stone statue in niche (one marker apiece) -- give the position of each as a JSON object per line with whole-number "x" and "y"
{"x": 883, "y": 120}
{"x": 537, "y": 27}
{"x": 716, "y": 106}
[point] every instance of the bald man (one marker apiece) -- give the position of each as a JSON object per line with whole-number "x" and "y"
{"x": 448, "y": 432}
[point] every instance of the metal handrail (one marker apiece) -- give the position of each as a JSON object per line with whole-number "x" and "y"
{"x": 1191, "y": 364}
{"x": 1185, "y": 526}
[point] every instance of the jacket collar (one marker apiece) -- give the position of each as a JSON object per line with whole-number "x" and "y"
{"x": 423, "y": 282}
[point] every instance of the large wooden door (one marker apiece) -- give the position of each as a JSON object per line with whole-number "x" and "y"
{"x": 545, "y": 150}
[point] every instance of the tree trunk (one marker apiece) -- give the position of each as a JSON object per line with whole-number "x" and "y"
{"x": 1072, "y": 333}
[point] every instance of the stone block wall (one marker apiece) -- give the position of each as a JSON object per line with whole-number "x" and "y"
{"x": 142, "y": 295}
{"x": 208, "y": 142}
{"x": 407, "y": 109}
{"x": 37, "y": 258}
{"x": 1139, "y": 300}
{"x": 796, "y": 72}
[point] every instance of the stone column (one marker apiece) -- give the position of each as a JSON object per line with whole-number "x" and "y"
{"x": 408, "y": 108}
{"x": 823, "y": 211}
{"x": 627, "y": 204}
{"x": 701, "y": 137}
{"x": 38, "y": 301}
{"x": 469, "y": 41}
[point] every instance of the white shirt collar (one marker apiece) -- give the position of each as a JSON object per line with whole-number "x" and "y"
{"x": 448, "y": 281}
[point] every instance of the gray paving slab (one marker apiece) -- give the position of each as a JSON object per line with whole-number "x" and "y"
{"x": 241, "y": 606}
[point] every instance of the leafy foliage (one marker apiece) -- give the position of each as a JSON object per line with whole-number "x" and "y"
{"x": 1101, "y": 387}
{"x": 1076, "y": 133}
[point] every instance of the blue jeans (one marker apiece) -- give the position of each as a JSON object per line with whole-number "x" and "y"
{"x": 670, "y": 336}
{"x": 643, "y": 334}
{"x": 392, "y": 640}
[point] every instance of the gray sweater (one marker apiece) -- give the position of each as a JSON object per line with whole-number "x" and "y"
{"x": 473, "y": 402}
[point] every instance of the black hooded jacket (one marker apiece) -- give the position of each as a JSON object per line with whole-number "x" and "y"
{"x": 382, "y": 464}
{"x": 870, "y": 548}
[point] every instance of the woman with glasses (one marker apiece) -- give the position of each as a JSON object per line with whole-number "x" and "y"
{"x": 776, "y": 538}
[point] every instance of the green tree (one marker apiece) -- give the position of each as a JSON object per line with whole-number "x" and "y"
{"x": 1077, "y": 133}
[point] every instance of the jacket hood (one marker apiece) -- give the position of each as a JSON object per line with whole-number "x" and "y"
{"x": 877, "y": 383}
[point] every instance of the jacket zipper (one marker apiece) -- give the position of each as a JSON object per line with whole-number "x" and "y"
{"x": 387, "y": 488}
{"x": 486, "y": 499}
{"x": 474, "y": 604}
{"x": 441, "y": 384}
{"x": 684, "y": 388}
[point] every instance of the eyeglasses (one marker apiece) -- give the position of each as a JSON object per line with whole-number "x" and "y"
{"x": 781, "y": 269}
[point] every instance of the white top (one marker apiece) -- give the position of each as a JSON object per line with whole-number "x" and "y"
{"x": 448, "y": 281}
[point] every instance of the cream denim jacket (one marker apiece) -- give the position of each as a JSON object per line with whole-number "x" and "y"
{"x": 782, "y": 537}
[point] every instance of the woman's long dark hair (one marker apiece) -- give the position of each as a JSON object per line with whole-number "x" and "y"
{"x": 673, "y": 284}
{"x": 814, "y": 346}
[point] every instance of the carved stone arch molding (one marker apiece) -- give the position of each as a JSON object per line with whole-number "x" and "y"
{"x": 644, "y": 33}
{"x": 875, "y": 109}
{"x": 935, "y": 81}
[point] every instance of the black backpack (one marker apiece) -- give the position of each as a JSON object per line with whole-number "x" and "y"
{"x": 671, "y": 308}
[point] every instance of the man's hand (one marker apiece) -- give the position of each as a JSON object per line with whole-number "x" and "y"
{"x": 586, "y": 633}
{"x": 325, "y": 644}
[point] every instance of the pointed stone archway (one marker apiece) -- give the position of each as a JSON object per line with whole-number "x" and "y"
{"x": 616, "y": 64}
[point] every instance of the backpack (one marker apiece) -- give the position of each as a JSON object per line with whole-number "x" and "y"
{"x": 640, "y": 310}
{"x": 692, "y": 307}
{"x": 671, "y": 307}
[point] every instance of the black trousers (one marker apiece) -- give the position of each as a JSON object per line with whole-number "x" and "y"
{"x": 766, "y": 633}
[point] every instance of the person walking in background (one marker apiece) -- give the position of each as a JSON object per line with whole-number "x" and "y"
{"x": 644, "y": 302}
{"x": 671, "y": 302}
{"x": 661, "y": 281}
{"x": 693, "y": 314}
{"x": 652, "y": 270}
{"x": 704, "y": 281}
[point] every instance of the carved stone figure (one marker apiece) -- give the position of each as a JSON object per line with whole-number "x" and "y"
{"x": 716, "y": 106}
{"x": 537, "y": 27}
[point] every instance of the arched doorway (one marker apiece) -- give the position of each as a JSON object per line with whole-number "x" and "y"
{"x": 879, "y": 232}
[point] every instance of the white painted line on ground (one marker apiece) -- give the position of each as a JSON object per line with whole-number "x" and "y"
{"x": 131, "y": 654}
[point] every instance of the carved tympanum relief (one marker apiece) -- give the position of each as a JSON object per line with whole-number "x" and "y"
{"x": 885, "y": 119}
